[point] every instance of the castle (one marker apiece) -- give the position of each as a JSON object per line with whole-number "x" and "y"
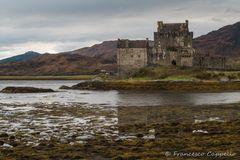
{"x": 172, "y": 45}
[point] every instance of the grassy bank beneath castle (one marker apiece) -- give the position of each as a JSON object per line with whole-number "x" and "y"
{"x": 180, "y": 73}
{"x": 164, "y": 78}
{"x": 176, "y": 86}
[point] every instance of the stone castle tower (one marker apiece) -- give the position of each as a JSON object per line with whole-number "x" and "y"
{"x": 173, "y": 44}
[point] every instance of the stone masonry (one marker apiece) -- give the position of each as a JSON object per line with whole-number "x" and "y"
{"x": 131, "y": 56}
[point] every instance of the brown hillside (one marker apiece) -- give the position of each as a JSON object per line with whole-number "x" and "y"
{"x": 224, "y": 42}
{"x": 106, "y": 51}
{"x": 56, "y": 64}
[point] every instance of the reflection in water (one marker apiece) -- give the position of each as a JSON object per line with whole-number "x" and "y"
{"x": 136, "y": 117}
{"x": 154, "y": 98}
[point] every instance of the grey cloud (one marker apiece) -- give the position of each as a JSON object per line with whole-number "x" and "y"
{"x": 232, "y": 10}
{"x": 75, "y": 21}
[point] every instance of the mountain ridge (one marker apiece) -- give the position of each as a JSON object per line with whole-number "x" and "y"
{"x": 223, "y": 42}
{"x": 22, "y": 57}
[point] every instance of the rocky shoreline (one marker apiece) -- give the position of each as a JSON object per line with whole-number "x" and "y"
{"x": 192, "y": 86}
{"x": 82, "y": 131}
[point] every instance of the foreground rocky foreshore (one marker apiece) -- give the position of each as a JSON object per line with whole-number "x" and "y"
{"x": 157, "y": 85}
{"x": 93, "y": 132}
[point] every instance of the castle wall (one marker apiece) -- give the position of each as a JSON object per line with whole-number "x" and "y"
{"x": 209, "y": 62}
{"x": 186, "y": 61}
{"x": 130, "y": 60}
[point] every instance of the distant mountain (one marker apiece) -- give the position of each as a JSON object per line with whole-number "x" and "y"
{"x": 56, "y": 64}
{"x": 23, "y": 57}
{"x": 224, "y": 42}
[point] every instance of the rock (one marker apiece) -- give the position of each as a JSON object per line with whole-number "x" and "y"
{"x": 1, "y": 143}
{"x": 5, "y": 145}
{"x": 25, "y": 90}
{"x": 149, "y": 137}
{"x": 200, "y": 131}
{"x": 44, "y": 134}
{"x": 14, "y": 144}
{"x": 88, "y": 85}
{"x": 63, "y": 141}
{"x": 65, "y": 87}
{"x": 84, "y": 137}
{"x": 152, "y": 131}
{"x": 3, "y": 135}
{"x": 224, "y": 79}
{"x": 12, "y": 137}
{"x": 72, "y": 143}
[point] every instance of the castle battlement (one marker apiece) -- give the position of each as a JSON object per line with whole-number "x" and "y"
{"x": 126, "y": 43}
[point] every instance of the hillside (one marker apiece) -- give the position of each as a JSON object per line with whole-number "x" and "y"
{"x": 106, "y": 51}
{"x": 224, "y": 42}
{"x": 23, "y": 57}
{"x": 55, "y": 64}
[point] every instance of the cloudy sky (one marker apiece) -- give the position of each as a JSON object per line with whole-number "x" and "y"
{"x": 62, "y": 25}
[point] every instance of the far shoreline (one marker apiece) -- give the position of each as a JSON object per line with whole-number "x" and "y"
{"x": 76, "y": 77}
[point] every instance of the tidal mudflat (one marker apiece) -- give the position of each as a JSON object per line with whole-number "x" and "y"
{"x": 83, "y": 131}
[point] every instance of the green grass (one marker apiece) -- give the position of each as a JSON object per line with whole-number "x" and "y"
{"x": 79, "y": 77}
{"x": 180, "y": 73}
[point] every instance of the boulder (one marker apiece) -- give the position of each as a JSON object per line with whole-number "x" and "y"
{"x": 64, "y": 87}
{"x": 25, "y": 90}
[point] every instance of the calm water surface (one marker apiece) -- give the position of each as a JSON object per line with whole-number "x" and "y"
{"x": 111, "y": 98}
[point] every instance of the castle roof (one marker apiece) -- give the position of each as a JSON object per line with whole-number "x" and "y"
{"x": 172, "y": 27}
{"x": 133, "y": 43}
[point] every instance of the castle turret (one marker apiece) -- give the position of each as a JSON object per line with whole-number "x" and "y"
{"x": 160, "y": 25}
{"x": 187, "y": 23}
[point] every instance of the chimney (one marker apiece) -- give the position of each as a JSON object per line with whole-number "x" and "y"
{"x": 160, "y": 25}
{"x": 147, "y": 40}
{"x": 187, "y": 22}
{"x": 127, "y": 43}
{"x": 119, "y": 43}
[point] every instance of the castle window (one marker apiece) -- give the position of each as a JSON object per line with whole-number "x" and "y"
{"x": 139, "y": 56}
{"x": 132, "y": 56}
